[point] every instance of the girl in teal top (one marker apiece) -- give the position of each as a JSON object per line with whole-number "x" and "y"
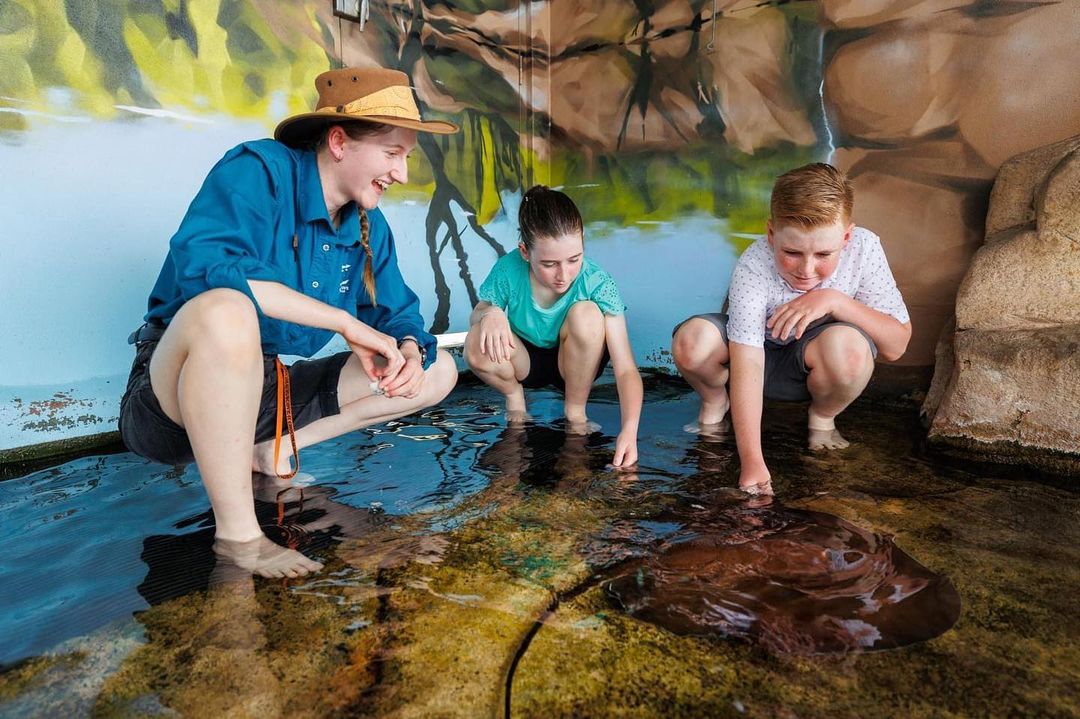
{"x": 548, "y": 315}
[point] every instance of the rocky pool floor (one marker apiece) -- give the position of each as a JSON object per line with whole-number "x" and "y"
{"x": 476, "y": 570}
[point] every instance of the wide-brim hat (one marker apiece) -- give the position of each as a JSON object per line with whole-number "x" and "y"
{"x": 372, "y": 95}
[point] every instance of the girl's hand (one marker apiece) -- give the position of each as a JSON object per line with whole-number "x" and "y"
{"x": 368, "y": 345}
{"x": 496, "y": 339}
{"x": 625, "y": 450}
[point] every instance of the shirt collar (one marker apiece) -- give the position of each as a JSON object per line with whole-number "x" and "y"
{"x": 313, "y": 205}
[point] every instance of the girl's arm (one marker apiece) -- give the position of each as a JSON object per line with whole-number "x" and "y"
{"x": 496, "y": 337}
{"x": 628, "y": 385}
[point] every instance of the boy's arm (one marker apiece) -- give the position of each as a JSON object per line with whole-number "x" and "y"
{"x": 889, "y": 334}
{"x": 747, "y": 386}
{"x": 628, "y": 386}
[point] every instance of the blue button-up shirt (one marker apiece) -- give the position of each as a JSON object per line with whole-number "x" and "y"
{"x": 261, "y": 215}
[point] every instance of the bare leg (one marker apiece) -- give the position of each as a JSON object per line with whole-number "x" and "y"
{"x": 504, "y": 376}
{"x": 207, "y": 375}
{"x": 840, "y": 364}
{"x": 361, "y": 408}
{"x": 702, "y": 358}
{"x": 581, "y": 347}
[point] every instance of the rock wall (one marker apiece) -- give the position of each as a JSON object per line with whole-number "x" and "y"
{"x": 927, "y": 98}
{"x": 1007, "y": 379}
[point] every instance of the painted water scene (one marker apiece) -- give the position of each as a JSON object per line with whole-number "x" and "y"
{"x": 567, "y": 358}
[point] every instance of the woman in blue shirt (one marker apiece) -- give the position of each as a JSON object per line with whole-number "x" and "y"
{"x": 283, "y": 247}
{"x": 549, "y": 315}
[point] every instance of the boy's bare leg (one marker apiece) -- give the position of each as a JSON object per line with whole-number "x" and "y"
{"x": 360, "y": 407}
{"x": 503, "y": 376}
{"x": 207, "y": 374}
{"x": 840, "y": 364}
{"x": 581, "y": 347}
{"x": 701, "y": 355}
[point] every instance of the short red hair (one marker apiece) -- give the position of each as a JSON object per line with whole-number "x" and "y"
{"x": 811, "y": 196}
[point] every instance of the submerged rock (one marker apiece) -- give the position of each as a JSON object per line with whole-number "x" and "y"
{"x": 791, "y": 580}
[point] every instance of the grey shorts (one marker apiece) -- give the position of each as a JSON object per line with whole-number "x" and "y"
{"x": 149, "y": 432}
{"x": 785, "y": 364}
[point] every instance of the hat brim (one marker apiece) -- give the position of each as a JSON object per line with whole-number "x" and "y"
{"x": 299, "y": 130}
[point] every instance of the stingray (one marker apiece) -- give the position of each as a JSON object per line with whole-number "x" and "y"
{"x": 791, "y": 580}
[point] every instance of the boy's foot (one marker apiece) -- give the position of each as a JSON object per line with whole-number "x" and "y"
{"x": 715, "y": 430}
{"x": 263, "y": 557}
{"x": 823, "y": 439}
{"x": 823, "y": 434}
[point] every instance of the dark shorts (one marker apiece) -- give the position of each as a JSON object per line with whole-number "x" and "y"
{"x": 148, "y": 432}
{"x": 544, "y": 367}
{"x": 785, "y": 365}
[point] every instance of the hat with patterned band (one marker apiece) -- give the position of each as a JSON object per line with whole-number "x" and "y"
{"x": 366, "y": 94}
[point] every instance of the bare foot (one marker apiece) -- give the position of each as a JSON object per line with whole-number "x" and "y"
{"x": 823, "y": 439}
{"x": 581, "y": 426}
{"x": 263, "y": 557}
{"x": 715, "y": 430}
{"x": 713, "y": 413}
{"x": 262, "y": 459}
{"x": 516, "y": 417}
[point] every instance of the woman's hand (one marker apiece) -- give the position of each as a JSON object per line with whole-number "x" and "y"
{"x": 625, "y": 450}
{"x": 410, "y": 379}
{"x": 496, "y": 338}
{"x": 368, "y": 345}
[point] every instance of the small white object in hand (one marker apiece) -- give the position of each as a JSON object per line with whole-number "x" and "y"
{"x": 376, "y": 389}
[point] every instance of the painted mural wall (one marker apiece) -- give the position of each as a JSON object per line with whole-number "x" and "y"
{"x": 665, "y": 120}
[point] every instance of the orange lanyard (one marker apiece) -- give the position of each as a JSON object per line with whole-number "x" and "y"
{"x": 284, "y": 405}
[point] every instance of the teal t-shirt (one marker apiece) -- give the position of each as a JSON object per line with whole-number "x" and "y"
{"x": 507, "y": 287}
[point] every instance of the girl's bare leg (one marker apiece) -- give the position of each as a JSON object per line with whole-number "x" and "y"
{"x": 581, "y": 347}
{"x": 503, "y": 376}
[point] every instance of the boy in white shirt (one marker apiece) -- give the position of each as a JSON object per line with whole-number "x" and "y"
{"x": 810, "y": 307}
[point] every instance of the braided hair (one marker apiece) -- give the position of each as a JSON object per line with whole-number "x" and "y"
{"x": 357, "y": 130}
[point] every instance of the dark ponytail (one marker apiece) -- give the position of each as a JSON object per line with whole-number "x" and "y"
{"x": 546, "y": 212}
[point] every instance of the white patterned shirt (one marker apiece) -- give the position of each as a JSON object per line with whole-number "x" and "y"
{"x": 757, "y": 288}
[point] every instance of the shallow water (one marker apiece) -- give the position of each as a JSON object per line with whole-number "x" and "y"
{"x": 478, "y": 569}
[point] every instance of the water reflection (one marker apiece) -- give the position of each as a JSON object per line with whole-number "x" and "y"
{"x": 794, "y": 581}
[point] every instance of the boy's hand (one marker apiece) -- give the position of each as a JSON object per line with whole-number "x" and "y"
{"x": 625, "y": 450}
{"x": 800, "y": 312}
{"x": 756, "y": 480}
{"x": 496, "y": 339}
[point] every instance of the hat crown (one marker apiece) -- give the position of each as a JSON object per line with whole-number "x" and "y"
{"x": 342, "y": 86}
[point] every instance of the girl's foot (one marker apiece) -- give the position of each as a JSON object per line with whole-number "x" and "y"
{"x": 263, "y": 557}
{"x": 712, "y": 414}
